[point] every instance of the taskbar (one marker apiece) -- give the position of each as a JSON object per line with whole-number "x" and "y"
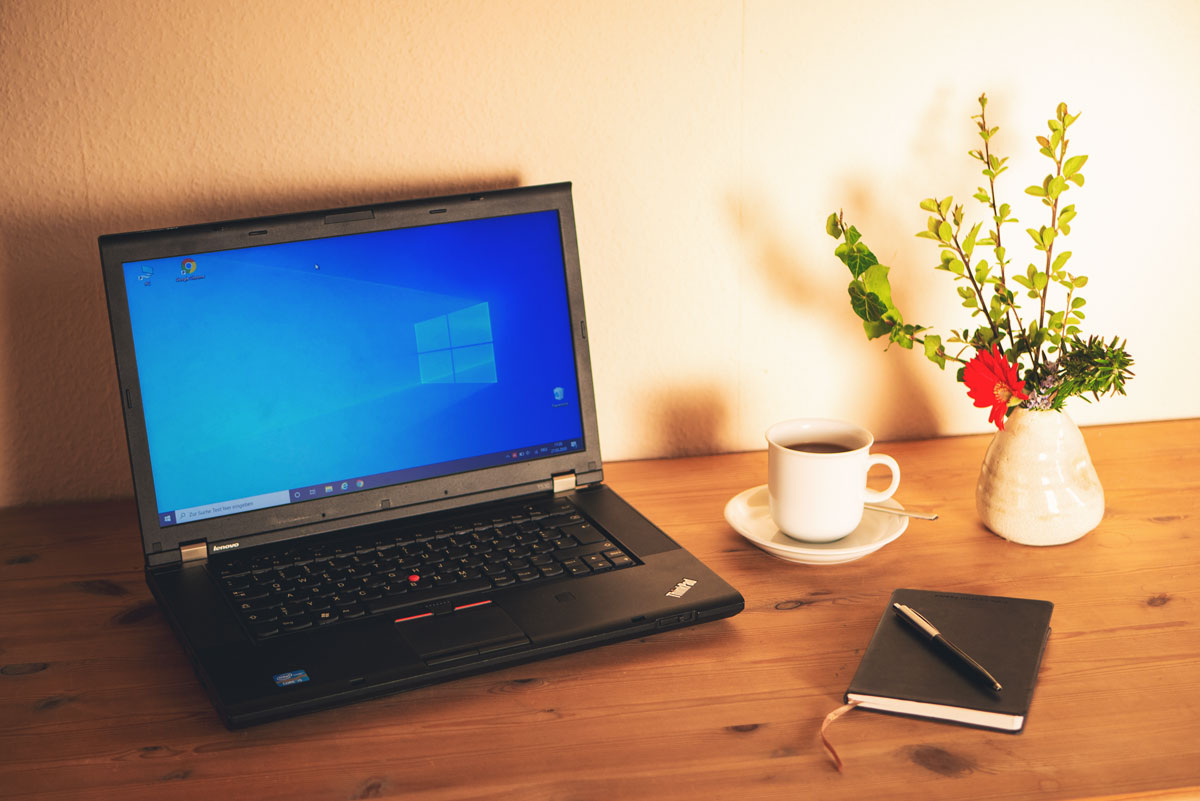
{"x": 343, "y": 486}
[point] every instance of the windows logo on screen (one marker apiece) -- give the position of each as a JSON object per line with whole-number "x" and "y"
{"x": 456, "y": 348}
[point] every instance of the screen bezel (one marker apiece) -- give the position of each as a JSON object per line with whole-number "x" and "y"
{"x": 272, "y": 524}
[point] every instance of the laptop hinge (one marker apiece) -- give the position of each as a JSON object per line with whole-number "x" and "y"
{"x": 193, "y": 551}
{"x": 563, "y": 482}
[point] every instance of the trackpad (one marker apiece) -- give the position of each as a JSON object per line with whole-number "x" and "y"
{"x": 462, "y": 634}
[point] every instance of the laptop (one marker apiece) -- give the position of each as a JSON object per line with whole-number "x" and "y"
{"x": 365, "y": 451}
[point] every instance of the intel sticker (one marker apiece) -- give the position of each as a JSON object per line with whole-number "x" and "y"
{"x": 290, "y": 678}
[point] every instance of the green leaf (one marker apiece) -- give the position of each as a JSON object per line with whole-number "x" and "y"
{"x": 874, "y": 330}
{"x": 944, "y": 206}
{"x": 1073, "y": 165}
{"x": 969, "y": 244}
{"x": 832, "y": 227}
{"x": 1077, "y": 303}
{"x": 1061, "y": 260}
{"x": 857, "y": 257}
{"x": 934, "y": 351}
{"x": 866, "y": 305}
{"x": 1080, "y": 282}
{"x": 1035, "y": 190}
{"x": 875, "y": 281}
{"x": 1040, "y": 281}
{"x": 945, "y": 232}
{"x": 930, "y": 205}
{"x": 1076, "y": 179}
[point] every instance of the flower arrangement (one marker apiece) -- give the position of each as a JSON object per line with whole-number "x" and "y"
{"x": 1036, "y": 358}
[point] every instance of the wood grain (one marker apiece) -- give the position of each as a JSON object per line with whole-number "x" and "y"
{"x": 97, "y": 700}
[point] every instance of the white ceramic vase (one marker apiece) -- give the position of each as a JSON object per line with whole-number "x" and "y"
{"x": 1037, "y": 485}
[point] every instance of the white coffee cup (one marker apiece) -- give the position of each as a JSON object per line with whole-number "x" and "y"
{"x": 817, "y": 477}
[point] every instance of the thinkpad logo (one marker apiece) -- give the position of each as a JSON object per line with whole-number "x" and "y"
{"x": 681, "y": 588}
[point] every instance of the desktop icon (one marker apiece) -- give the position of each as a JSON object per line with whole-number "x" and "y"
{"x": 328, "y": 488}
{"x": 345, "y": 485}
{"x": 359, "y": 483}
{"x": 187, "y": 267}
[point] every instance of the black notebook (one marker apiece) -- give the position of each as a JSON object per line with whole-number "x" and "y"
{"x": 903, "y": 673}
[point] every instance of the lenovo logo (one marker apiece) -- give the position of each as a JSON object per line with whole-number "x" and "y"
{"x": 681, "y": 588}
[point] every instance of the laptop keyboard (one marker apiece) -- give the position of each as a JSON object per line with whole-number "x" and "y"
{"x": 404, "y": 570}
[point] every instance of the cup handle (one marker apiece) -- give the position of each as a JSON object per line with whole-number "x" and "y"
{"x": 875, "y": 496}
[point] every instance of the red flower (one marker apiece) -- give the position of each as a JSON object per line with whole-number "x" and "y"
{"x": 992, "y": 381}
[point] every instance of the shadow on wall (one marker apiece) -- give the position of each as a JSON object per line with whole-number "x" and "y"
{"x": 687, "y": 421}
{"x": 884, "y": 208}
{"x": 818, "y": 292}
{"x": 64, "y": 438}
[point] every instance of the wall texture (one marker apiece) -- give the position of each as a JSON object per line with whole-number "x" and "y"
{"x": 707, "y": 140}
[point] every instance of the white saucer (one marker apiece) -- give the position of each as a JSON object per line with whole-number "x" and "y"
{"x": 749, "y": 514}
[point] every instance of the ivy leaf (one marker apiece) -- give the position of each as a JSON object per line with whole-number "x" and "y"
{"x": 870, "y": 309}
{"x": 875, "y": 281}
{"x": 832, "y": 227}
{"x": 855, "y": 256}
{"x": 934, "y": 351}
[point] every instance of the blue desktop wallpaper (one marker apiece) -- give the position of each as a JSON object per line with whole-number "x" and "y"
{"x": 269, "y": 368}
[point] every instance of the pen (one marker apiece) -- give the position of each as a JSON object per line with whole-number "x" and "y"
{"x": 921, "y": 624}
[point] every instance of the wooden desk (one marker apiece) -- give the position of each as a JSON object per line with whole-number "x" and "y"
{"x": 97, "y": 699}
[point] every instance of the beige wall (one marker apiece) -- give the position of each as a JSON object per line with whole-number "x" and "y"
{"x": 707, "y": 141}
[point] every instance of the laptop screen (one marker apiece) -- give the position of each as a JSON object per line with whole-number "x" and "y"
{"x": 302, "y": 370}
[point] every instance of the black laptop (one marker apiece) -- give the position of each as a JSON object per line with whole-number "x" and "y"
{"x": 365, "y": 450}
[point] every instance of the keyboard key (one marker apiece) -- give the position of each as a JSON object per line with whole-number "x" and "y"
{"x": 295, "y": 624}
{"x": 585, "y": 533}
{"x": 575, "y": 567}
{"x": 597, "y": 561}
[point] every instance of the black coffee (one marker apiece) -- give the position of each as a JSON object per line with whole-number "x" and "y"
{"x": 819, "y": 447}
